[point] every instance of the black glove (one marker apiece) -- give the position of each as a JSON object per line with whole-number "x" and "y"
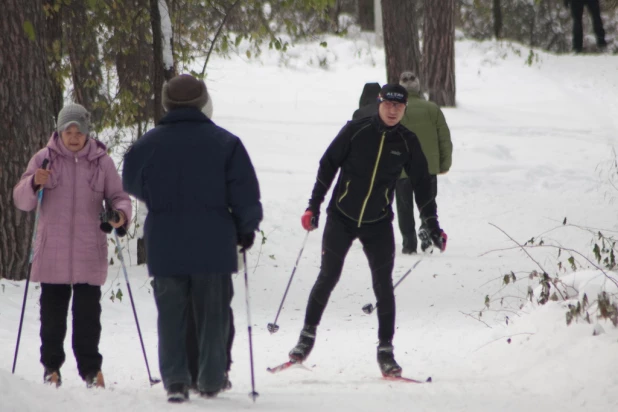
{"x": 432, "y": 234}
{"x": 111, "y": 215}
{"x": 245, "y": 240}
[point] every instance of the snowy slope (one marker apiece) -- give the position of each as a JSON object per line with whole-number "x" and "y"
{"x": 532, "y": 146}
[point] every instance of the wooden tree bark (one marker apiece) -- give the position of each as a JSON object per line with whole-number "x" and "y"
{"x": 366, "y": 15}
{"x": 157, "y": 49}
{"x": 27, "y": 119}
{"x": 161, "y": 72}
{"x": 134, "y": 63}
{"x": 497, "y": 13}
{"x": 439, "y": 51}
{"x": 53, "y": 50}
{"x": 83, "y": 51}
{"x": 330, "y": 22}
{"x": 401, "y": 43}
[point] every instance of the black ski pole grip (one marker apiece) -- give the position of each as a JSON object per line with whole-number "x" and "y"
{"x": 115, "y": 217}
{"x": 106, "y": 227}
{"x": 121, "y": 231}
{"x": 45, "y": 163}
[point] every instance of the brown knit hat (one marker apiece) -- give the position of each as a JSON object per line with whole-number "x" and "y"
{"x": 184, "y": 91}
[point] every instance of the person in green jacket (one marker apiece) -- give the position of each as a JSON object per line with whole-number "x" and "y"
{"x": 427, "y": 121}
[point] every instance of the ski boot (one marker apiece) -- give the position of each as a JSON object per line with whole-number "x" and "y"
{"x": 301, "y": 351}
{"x": 177, "y": 393}
{"x": 95, "y": 380}
{"x": 386, "y": 360}
{"x": 409, "y": 244}
{"x": 52, "y": 377}
{"x": 423, "y": 234}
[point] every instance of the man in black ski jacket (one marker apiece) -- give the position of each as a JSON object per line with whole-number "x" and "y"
{"x": 369, "y": 155}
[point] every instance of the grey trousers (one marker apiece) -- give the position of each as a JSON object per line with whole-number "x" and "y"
{"x": 210, "y": 294}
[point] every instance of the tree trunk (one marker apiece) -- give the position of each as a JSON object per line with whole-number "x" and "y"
{"x": 377, "y": 19}
{"x": 366, "y": 15}
{"x": 134, "y": 63}
{"x": 83, "y": 50}
{"x": 161, "y": 71}
{"x": 157, "y": 48}
{"x": 439, "y": 51}
{"x": 26, "y": 117}
{"x": 401, "y": 43}
{"x": 53, "y": 49}
{"x": 497, "y": 12}
{"x": 330, "y": 21}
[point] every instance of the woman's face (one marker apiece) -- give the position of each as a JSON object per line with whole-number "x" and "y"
{"x": 73, "y": 139}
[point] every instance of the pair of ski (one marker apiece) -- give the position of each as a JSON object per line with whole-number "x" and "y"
{"x": 291, "y": 362}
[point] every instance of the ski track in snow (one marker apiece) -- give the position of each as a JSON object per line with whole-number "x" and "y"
{"x": 528, "y": 141}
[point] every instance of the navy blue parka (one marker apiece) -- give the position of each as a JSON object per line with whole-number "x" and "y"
{"x": 201, "y": 190}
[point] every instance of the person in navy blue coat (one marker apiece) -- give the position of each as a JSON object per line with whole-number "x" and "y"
{"x": 203, "y": 200}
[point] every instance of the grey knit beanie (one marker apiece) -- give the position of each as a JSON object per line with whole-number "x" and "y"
{"x": 411, "y": 82}
{"x": 184, "y": 91}
{"x": 74, "y": 114}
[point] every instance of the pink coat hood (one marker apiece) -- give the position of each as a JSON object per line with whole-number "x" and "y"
{"x": 70, "y": 247}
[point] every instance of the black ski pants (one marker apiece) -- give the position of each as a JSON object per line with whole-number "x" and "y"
{"x": 192, "y": 341}
{"x": 86, "y": 310}
{"x": 379, "y": 247}
{"x": 210, "y": 295}
{"x": 404, "y": 197}
{"x": 577, "y": 12}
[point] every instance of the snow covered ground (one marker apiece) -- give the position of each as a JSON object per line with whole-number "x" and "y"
{"x": 533, "y": 145}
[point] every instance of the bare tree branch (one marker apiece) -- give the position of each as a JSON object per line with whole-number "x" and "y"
{"x": 573, "y": 251}
{"x": 477, "y": 319}
{"x": 521, "y": 247}
{"x": 508, "y": 336}
{"x": 219, "y": 29}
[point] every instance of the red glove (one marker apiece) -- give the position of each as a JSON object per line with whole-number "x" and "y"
{"x": 309, "y": 221}
{"x": 442, "y": 244}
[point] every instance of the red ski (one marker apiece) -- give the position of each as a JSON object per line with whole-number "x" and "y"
{"x": 404, "y": 379}
{"x": 283, "y": 366}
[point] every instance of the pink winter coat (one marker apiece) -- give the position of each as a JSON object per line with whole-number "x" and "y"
{"x": 70, "y": 247}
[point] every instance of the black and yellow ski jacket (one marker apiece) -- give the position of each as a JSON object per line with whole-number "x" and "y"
{"x": 370, "y": 157}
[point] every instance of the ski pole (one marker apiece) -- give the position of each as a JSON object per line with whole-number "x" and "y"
{"x": 273, "y": 327}
{"x": 39, "y": 199}
{"x": 253, "y": 393}
{"x": 152, "y": 380}
{"x": 369, "y": 308}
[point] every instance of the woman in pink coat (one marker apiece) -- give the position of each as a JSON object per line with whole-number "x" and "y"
{"x": 70, "y": 251}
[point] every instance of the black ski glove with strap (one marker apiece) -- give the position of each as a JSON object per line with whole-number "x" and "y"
{"x": 245, "y": 240}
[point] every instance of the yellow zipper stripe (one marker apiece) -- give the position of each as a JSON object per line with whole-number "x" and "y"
{"x": 373, "y": 178}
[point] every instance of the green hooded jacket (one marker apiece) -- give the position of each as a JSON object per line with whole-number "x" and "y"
{"x": 426, "y": 120}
